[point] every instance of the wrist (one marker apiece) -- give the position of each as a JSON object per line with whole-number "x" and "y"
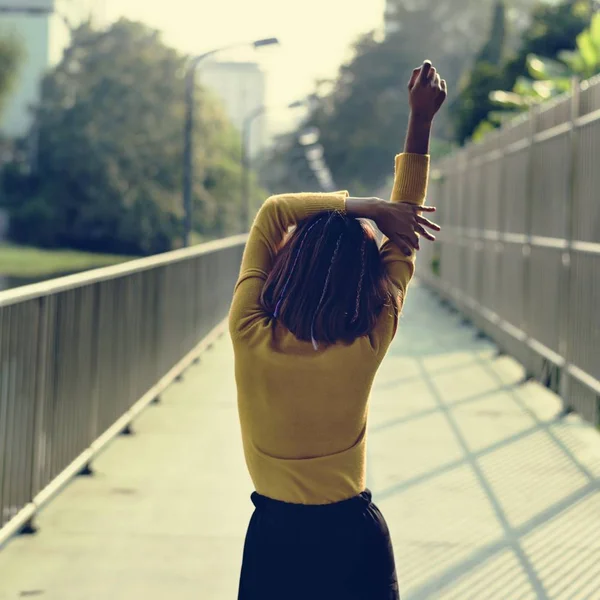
{"x": 422, "y": 121}
{"x": 418, "y": 134}
{"x": 363, "y": 208}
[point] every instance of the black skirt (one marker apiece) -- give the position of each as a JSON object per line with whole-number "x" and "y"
{"x": 340, "y": 551}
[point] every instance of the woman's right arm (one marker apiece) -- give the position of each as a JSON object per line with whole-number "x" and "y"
{"x": 402, "y": 220}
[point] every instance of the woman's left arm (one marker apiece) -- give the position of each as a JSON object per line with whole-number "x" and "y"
{"x": 272, "y": 223}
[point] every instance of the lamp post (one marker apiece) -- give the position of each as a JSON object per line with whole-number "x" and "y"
{"x": 188, "y": 148}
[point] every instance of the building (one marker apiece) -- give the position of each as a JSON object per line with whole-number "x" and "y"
{"x": 241, "y": 86}
{"x": 41, "y": 26}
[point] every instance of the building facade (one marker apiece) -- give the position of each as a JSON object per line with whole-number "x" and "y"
{"x": 41, "y": 28}
{"x": 241, "y": 86}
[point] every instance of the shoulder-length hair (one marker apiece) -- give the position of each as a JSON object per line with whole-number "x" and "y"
{"x": 328, "y": 283}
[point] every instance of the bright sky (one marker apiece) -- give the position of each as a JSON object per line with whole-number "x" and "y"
{"x": 315, "y": 35}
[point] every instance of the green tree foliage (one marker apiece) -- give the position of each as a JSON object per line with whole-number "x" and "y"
{"x": 362, "y": 120}
{"x": 493, "y": 50}
{"x": 584, "y": 61}
{"x": 548, "y": 78}
{"x": 11, "y": 55}
{"x": 473, "y": 104}
{"x": 109, "y": 150}
{"x": 553, "y": 30}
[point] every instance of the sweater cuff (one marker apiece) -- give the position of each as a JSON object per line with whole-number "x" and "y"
{"x": 410, "y": 182}
{"x": 318, "y": 203}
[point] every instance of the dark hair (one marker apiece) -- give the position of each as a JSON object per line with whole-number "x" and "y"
{"x": 328, "y": 283}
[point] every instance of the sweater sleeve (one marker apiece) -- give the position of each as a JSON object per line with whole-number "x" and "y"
{"x": 270, "y": 227}
{"x": 410, "y": 185}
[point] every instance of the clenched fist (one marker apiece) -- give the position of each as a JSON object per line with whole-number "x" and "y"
{"x": 427, "y": 92}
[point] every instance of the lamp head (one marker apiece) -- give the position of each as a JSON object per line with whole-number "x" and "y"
{"x": 265, "y": 42}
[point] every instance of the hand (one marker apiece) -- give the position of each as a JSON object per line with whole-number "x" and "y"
{"x": 427, "y": 92}
{"x": 402, "y": 223}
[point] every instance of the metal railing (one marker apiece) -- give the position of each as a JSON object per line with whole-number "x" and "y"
{"x": 520, "y": 250}
{"x": 81, "y": 356}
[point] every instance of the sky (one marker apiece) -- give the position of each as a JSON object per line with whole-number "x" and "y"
{"x": 315, "y": 35}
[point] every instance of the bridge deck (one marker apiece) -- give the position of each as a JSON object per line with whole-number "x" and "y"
{"x": 487, "y": 494}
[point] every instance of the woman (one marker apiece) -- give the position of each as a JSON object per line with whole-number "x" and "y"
{"x": 313, "y": 315}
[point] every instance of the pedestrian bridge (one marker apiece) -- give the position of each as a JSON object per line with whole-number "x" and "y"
{"x": 122, "y": 474}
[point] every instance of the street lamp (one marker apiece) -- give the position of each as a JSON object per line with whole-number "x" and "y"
{"x": 188, "y": 151}
{"x": 246, "y": 159}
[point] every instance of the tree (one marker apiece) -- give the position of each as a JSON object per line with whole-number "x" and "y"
{"x": 553, "y": 29}
{"x": 493, "y": 50}
{"x": 362, "y": 120}
{"x": 548, "y": 78}
{"x": 584, "y": 61}
{"x": 109, "y": 162}
{"x": 11, "y": 55}
{"x": 473, "y": 104}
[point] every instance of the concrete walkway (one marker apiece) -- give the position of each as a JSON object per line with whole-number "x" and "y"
{"x": 488, "y": 495}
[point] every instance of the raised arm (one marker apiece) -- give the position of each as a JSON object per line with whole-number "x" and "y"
{"x": 401, "y": 220}
{"x": 272, "y": 223}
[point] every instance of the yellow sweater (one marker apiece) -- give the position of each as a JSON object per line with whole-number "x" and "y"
{"x": 303, "y": 413}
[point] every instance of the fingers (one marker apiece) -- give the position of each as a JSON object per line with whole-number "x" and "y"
{"x": 428, "y": 223}
{"x": 443, "y": 94}
{"x": 422, "y": 231}
{"x": 414, "y": 77}
{"x": 418, "y": 208}
{"x": 425, "y": 70}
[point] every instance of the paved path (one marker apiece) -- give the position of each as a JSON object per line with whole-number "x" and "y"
{"x": 488, "y": 495}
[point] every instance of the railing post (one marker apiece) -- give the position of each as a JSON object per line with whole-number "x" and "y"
{"x": 567, "y": 256}
{"x": 529, "y": 191}
{"x": 38, "y": 455}
{"x": 499, "y": 243}
{"x": 95, "y": 359}
{"x": 463, "y": 163}
{"x": 464, "y": 233}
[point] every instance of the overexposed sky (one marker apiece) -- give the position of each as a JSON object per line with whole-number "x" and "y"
{"x": 315, "y": 35}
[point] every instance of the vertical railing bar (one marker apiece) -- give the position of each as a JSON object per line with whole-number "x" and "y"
{"x": 572, "y": 201}
{"x": 19, "y": 490}
{"x": 31, "y": 337}
{"x": 76, "y": 372}
{"x": 59, "y": 367}
{"x": 47, "y": 416}
{"x": 10, "y": 417}
{"x": 460, "y": 222}
{"x": 3, "y": 407}
{"x": 71, "y": 373}
{"x": 528, "y": 228}
{"x": 83, "y": 386}
{"x": 40, "y": 394}
{"x": 18, "y": 423}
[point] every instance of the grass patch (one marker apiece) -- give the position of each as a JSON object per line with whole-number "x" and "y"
{"x": 26, "y": 261}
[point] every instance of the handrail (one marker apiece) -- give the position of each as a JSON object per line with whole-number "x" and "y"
{"x": 67, "y": 282}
